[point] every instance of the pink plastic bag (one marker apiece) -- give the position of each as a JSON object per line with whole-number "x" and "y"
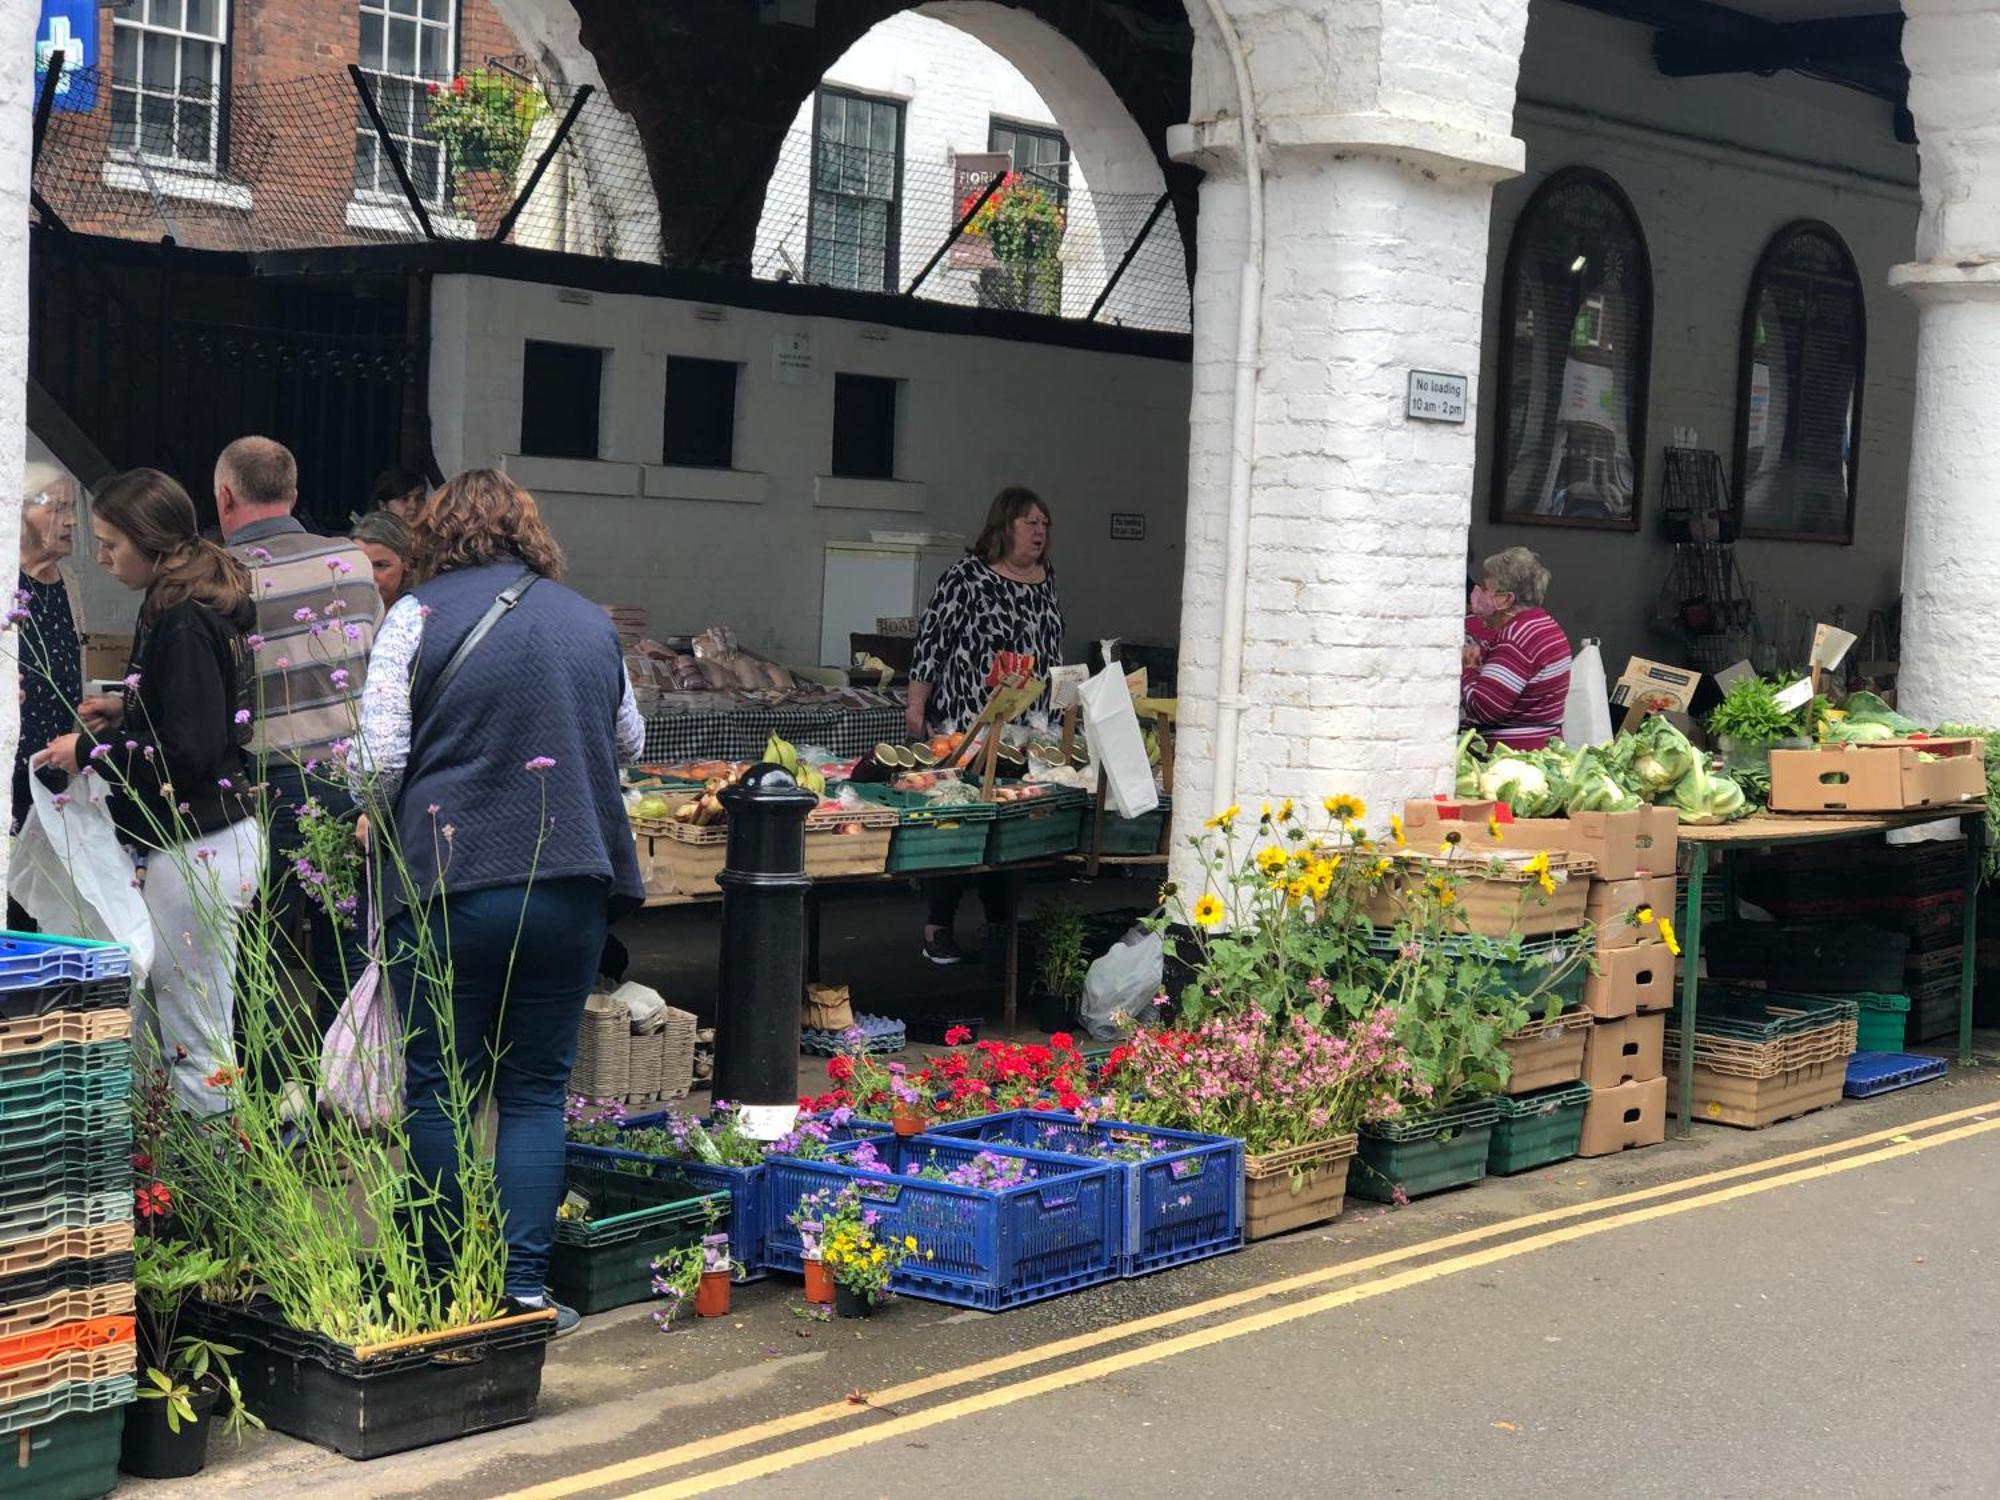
{"x": 361, "y": 1060}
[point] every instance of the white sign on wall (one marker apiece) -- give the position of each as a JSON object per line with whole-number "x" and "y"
{"x": 792, "y": 359}
{"x": 1436, "y": 397}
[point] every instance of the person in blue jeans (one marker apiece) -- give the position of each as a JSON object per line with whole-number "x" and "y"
{"x": 495, "y": 718}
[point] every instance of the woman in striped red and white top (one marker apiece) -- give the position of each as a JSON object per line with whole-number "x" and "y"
{"x": 1513, "y": 690}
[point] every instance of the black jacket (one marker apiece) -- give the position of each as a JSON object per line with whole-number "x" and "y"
{"x": 179, "y": 765}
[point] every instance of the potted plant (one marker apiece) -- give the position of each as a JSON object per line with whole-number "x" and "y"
{"x": 1750, "y": 723}
{"x": 718, "y": 1269}
{"x": 182, "y": 1378}
{"x": 859, "y": 1257}
{"x": 1060, "y": 964}
{"x": 484, "y": 118}
{"x": 1023, "y": 222}
{"x": 809, "y": 1218}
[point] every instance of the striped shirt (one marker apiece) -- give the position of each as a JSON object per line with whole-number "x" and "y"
{"x": 1516, "y": 695}
{"x": 317, "y": 613}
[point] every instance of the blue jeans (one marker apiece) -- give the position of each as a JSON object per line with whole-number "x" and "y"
{"x": 337, "y": 954}
{"x": 514, "y": 1035}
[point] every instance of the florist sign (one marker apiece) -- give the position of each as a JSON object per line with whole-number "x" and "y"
{"x": 970, "y": 174}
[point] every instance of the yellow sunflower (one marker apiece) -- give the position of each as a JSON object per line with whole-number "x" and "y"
{"x": 1296, "y": 891}
{"x": 1667, "y": 937}
{"x": 1396, "y": 830}
{"x": 1208, "y": 910}
{"x": 1224, "y": 818}
{"x": 1539, "y": 868}
{"x": 1285, "y": 811}
{"x": 1493, "y": 828}
{"x": 1343, "y": 808}
{"x": 1642, "y": 916}
{"x": 1271, "y": 859}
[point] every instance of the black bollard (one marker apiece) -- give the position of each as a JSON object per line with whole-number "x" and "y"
{"x": 763, "y": 966}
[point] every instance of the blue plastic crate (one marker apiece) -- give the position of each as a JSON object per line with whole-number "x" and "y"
{"x": 30, "y": 959}
{"x": 748, "y": 1203}
{"x": 1870, "y": 1073}
{"x": 989, "y": 1248}
{"x": 1182, "y": 1203}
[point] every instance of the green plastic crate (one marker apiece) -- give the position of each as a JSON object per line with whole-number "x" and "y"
{"x": 1140, "y": 835}
{"x": 1534, "y": 1130}
{"x": 1036, "y": 829}
{"x": 71, "y": 1458}
{"x": 931, "y": 837}
{"x": 1426, "y": 1155}
{"x": 1882, "y": 1022}
{"x": 607, "y": 1261}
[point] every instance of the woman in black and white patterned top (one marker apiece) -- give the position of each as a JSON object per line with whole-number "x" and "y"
{"x": 1001, "y": 596}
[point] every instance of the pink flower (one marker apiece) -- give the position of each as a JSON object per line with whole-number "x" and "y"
{"x": 282, "y": 663}
{"x": 253, "y": 641}
{"x": 352, "y": 632}
{"x": 339, "y": 677}
{"x": 261, "y": 554}
{"x": 540, "y": 764}
{"x": 303, "y": 613}
{"x": 132, "y": 682}
{"x": 243, "y": 716}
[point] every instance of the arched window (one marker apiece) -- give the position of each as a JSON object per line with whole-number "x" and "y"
{"x": 1798, "y": 389}
{"x": 1576, "y": 330}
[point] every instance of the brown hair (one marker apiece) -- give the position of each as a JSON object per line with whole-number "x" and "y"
{"x": 1008, "y": 506}
{"x": 476, "y": 517}
{"x": 385, "y": 529}
{"x": 154, "y": 511}
{"x": 262, "y": 471}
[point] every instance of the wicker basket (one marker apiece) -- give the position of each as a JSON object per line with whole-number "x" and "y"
{"x": 603, "y": 1067}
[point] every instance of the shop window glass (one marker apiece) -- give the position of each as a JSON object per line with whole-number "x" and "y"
{"x": 1798, "y": 407}
{"x": 864, "y": 427}
{"x": 560, "y": 389}
{"x": 701, "y": 413}
{"x": 1575, "y": 344}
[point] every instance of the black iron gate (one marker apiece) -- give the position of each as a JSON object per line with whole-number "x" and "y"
{"x": 162, "y": 356}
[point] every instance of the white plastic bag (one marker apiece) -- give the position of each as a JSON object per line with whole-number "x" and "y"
{"x": 71, "y": 875}
{"x": 1112, "y": 728}
{"x": 1122, "y": 984}
{"x": 1587, "y": 709}
{"x": 361, "y": 1060}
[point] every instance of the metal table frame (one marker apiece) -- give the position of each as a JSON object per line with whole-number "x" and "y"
{"x": 1775, "y": 830}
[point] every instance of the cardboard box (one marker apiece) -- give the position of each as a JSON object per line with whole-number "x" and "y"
{"x": 1630, "y": 980}
{"x": 106, "y": 656}
{"x": 1658, "y": 844}
{"x": 1627, "y": 1051}
{"x": 1881, "y": 776}
{"x": 1609, "y": 839}
{"x": 1653, "y": 687}
{"x": 1546, "y": 1053}
{"x": 1633, "y": 1114}
{"x": 1612, "y": 903}
{"x": 1753, "y": 1103}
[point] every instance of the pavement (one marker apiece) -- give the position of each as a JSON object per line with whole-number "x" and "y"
{"x": 1793, "y": 1311}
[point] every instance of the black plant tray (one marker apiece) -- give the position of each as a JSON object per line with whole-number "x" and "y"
{"x": 309, "y": 1387}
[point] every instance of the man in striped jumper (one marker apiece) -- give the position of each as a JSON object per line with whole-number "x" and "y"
{"x": 1513, "y": 690}
{"x": 317, "y": 612}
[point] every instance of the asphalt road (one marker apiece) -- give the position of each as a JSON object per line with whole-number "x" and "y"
{"x": 1831, "y": 1338}
{"x": 1795, "y": 1311}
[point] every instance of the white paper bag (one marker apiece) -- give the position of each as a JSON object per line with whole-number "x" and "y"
{"x": 1117, "y": 747}
{"x": 71, "y": 875}
{"x": 1587, "y": 709}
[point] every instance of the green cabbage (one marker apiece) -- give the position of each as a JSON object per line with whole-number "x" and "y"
{"x": 1593, "y": 787}
{"x": 1653, "y": 759}
{"x": 1867, "y": 708}
{"x": 1519, "y": 783}
{"x": 1703, "y": 796}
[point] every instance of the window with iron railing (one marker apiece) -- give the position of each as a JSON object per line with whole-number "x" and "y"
{"x": 404, "y": 45}
{"x": 167, "y": 61}
{"x": 854, "y": 228}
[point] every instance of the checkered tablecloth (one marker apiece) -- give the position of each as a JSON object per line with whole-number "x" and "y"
{"x": 742, "y": 733}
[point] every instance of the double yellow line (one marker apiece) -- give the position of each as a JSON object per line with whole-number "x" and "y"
{"x": 1600, "y": 1216}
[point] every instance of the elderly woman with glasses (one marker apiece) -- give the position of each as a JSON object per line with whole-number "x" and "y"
{"x": 50, "y": 656}
{"x": 1513, "y": 689}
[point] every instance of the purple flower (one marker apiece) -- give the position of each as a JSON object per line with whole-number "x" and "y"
{"x": 540, "y": 764}
{"x": 423, "y": 611}
{"x": 253, "y": 641}
{"x": 336, "y": 606}
{"x": 183, "y": 809}
{"x": 434, "y": 813}
{"x": 243, "y": 716}
{"x": 204, "y": 854}
{"x": 131, "y": 744}
{"x": 282, "y": 663}
{"x": 225, "y": 783}
{"x": 132, "y": 682}
{"x": 352, "y": 632}
{"x": 61, "y": 800}
{"x": 339, "y": 677}
{"x": 261, "y": 554}
{"x": 98, "y": 752}
{"x": 303, "y": 613}
{"x": 147, "y": 752}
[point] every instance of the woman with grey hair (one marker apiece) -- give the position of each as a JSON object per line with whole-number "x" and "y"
{"x": 1513, "y": 690}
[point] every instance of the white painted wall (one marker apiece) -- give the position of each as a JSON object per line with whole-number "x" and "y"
{"x": 1092, "y": 432}
{"x": 1714, "y": 167}
{"x": 953, "y": 64}
{"x": 17, "y": 98}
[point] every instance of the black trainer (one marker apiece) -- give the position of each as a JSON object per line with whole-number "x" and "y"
{"x": 940, "y": 948}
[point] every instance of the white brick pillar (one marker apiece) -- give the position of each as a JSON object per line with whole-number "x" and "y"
{"x": 1385, "y": 124}
{"x": 18, "y": 20}
{"x": 1951, "y": 544}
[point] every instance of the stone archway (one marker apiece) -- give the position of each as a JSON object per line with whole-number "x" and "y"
{"x": 713, "y": 85}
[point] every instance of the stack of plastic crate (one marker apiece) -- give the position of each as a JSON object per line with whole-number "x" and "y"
{"x": 67, "y": 1357}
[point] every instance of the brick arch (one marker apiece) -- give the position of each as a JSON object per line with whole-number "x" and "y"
{"x": 713, "y": 89}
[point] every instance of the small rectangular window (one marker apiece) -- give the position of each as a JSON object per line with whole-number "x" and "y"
{"x": 701, "y": 413}
{"x": 864, "y": 426}
{"x": 560, "y": 389}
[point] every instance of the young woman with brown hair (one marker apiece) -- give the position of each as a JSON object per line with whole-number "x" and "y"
{"x": 172, "y": 750}
{"x": 493, "y": 723}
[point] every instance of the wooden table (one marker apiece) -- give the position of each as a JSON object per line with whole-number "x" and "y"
{"x": 1778, "y": 830}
